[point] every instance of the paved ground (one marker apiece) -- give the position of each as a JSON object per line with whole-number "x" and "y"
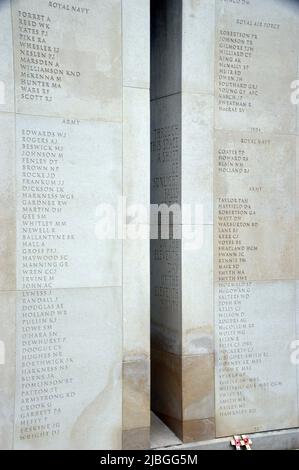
{"x": 162, "y": 437}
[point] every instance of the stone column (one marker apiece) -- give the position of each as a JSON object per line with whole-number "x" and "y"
{"x": 136, "y": 184}
{"x": 71, "y": 141}
{"x": 223, "y": 138}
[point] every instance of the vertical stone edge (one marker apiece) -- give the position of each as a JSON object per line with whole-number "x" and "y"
{"x": 198, "y": 346}
{"x": 136, "y": 22}
{"x": 297, "y": 230}
{"x": 136, "y": 189}
{"x": 166, "y": 313}
{"x": 7, "y": 281}
{"x": 136, "y": 405}
{"x": 7, "y": 369}
{"x": 166, "y": 47}
{"x": 7, "y": 236}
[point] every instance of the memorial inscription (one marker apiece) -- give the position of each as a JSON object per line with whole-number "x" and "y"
{"x": 234, "y": 63}
{"x": 59, "y": 166}
{"x": 70, "y": 136}
{"x": 254, "y": 221}
{"x": 68, "y": 160}
{"x": 52, "y": 354}
{"x": 64, "y": 71}
{"x": 250, "y": 39}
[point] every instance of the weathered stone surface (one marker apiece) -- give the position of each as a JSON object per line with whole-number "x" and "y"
{"x": 74, "y": 126}
{"x": 82, "y": 169}
{"x": 7, "y": 203}
{"x": 6, "y": 54}
{"x": 7, "y": 369}
{"x": 254, "y": 369}
{"x": 237, "y": 165}
{"x": 74, "y": 53}
{"x": 254, "y": 199}
{"x": 254, "y": 36}
{"x": 136, "y": 381}
{"x": 77, "y": 401}
{"x": 136, "y": 44}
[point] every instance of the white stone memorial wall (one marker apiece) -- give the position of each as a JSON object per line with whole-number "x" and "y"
{"x": 74, "y": 124}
